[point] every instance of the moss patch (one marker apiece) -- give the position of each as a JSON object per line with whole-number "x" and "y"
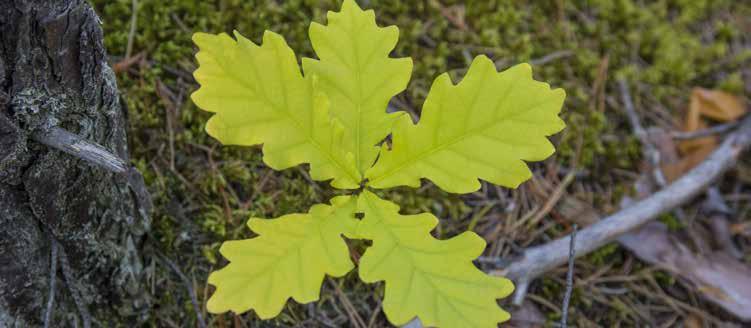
{"x": 204, "y": 192}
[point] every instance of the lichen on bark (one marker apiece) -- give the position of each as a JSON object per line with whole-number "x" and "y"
{"x": 54, "y": 72}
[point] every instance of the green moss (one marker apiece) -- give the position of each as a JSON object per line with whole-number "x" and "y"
{"x": 733, "y": 83}
{"x": 664, "y": 278}
{"x": 605, "y": 254}
{"x": 581, "y": 141}
{"x": 671, "y": 221}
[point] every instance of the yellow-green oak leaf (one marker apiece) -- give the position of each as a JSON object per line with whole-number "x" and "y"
{"x": 259, "y": 96}
{"x": 485, "y": 127}
{"x": 432, "y": 279}
{"x": 289, "y": 258}
{"x": 358, "y": 76}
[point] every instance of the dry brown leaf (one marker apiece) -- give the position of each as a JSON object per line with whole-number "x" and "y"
{"x": 717, "y": 276}
{"x": 673, "y": 171}
{"x": 718, "y": 105}
{"x": 691, "y": 145}
{"x": 691, "y": 159}
{"x": 693, "y": 116}
{"x": 673, "y": 165}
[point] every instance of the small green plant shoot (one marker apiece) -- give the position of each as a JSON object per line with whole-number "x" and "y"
{"x": 334, "y": 117}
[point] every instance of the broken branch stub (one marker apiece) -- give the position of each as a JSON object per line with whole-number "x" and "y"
{"x": 77, "y": 146}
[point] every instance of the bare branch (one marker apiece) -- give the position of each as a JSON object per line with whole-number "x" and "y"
{"x": 538, "y": 260}
{"x": 569, "y": 278}
{"x": 717, "y": 129}
{"x": 77, "y": 146}
{"x": 649, "y": 150}
{"x": 633, "y": 117}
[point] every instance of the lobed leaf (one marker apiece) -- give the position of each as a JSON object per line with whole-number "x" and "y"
{"x": 426, "y": 277}
{"x": 289, "y": 258}
{"x": 333, "y": 117}
{"x": 260, "y": 96}
{"x": 358, "y": 76}
{"x": 484, "y": 127}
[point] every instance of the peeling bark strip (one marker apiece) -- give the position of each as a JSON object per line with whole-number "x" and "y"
{"x": 54, "y": 73}
{"x": 72, "y": 144}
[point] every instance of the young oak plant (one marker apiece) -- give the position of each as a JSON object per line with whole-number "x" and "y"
{"x": 333, "y": 117}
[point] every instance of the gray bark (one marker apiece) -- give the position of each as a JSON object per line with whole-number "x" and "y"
{"x": 54, "y": 73}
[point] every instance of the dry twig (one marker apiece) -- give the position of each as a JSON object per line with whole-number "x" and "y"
{"x": 569, "y": 278}
{"x": 537, "y": 260}
{"x": 550, "y": 203}
{"x": 133, "y": 25}
{"x": 188, "y": 286}
{"x": 649, "y": 150}
{"x": 698, "y": 134}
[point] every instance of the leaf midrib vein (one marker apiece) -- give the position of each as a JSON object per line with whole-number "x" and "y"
{"x": 293, "y": 119}
{"x": 417, "y": 269}
{"x": 356, "y": 70}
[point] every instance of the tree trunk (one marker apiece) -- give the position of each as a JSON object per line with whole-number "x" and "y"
{"x": 54, "y": 74}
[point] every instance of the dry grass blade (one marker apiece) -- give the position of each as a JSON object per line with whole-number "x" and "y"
{"x": 550, "y": 203}
{"x": 188, "y": 286}
{"x": 354, "y": 317}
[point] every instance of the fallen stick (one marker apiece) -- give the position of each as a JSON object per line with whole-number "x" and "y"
{"x": 537, "y": 260}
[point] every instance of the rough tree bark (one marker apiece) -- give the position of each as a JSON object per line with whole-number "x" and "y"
{"x": 54, "y": 73}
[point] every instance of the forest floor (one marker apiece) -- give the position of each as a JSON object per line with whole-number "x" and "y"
{"x": 204, "y": 192}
